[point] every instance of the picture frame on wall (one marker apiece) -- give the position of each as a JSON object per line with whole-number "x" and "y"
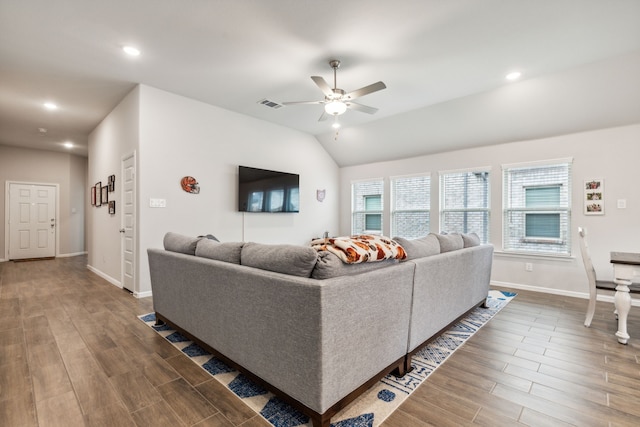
{"x": 594, "y": 197}
{"x": 112, "y": 183}
{"x": 112, "y": 207}
{"x": 93, "y": 195}
{"x": 98, "y": 192}
{"x": 104, "y": 195}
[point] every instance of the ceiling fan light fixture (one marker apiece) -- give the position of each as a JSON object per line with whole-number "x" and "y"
{"x": 335, "y": 108}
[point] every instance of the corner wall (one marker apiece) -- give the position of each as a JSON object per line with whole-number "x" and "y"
{"x": 611, "y": 154}
{"x": 176, "y": 136}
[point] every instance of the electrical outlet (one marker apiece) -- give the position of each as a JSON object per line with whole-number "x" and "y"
{"x": 528, "y": 266}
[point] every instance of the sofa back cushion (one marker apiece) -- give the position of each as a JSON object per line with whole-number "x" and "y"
{"x": 175, "y": 242}
{"x": 419, "y": 248}
{"x": 288, "y": 259}
{"x": 330, "y": 265}
{"x": 470, "y": 240}
{"x": 450, "y": 242}
{"x": 213, "y": 249}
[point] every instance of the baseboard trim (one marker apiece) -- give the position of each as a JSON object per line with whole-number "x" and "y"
{"x": 105, "y": 276}
{"x": 71, "y": 254}
{"x": 583, "y": 295}
{"x": 142, "y": 294}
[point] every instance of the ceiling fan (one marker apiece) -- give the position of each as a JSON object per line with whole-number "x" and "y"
{"x": 336, "y": 101}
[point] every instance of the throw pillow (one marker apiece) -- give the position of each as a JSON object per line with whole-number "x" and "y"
{"x": 287, "y": 259}
{"x": 419, "y": 248}
{"x": 470, "y": 239}
{"x": 212, "y": 249}
{"x": 450, "y": 242}
{"x": 330, "y": 265}
{"x": 175, "y": 242}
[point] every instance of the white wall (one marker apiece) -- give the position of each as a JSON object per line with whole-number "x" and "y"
{"x": 178, "y": 136}
{"x": 612, "y": 154}
{"x": 39, "y": 166}
{"x": 116, "y": 136}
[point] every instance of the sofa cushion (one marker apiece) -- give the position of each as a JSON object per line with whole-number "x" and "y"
{"x": 175, "y": 242}
{"x": 419, "y": 248}
{"x": 288, "y": 259}
{"x": 450, "y": 242}
{"x": 330, "y": 265}
{"x": 470, "y": 239}
{"x": 227, "y": 252}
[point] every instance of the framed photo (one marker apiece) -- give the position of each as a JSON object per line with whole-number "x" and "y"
{"x": 594, "y": 197}
{"x": 105, "y": 195}
{"x": 112, "y": 183}
{"x": 98, "y": 188}
{"x": 112, "y": 207}
{"x": 93, "y": 195}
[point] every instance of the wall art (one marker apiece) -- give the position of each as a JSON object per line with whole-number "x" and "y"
{"x": 104, "y": 198}
{"x": 93, "y": 195}
{"x": 190, "y": 185}
{"x": 112, "y": 207}
{"x": 594, "y": 197}
{"x": 98, "y": 188}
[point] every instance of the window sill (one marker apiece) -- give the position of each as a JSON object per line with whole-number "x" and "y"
{"x": 552, "y": 257}
{"x": 543, "y": 240}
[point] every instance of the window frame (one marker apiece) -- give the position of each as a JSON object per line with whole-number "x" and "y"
{"x": 364, "y": 211}
{"x": 485, "y": 234}
{"x": 394, "y": 211}
{"x": 536, "y": 245}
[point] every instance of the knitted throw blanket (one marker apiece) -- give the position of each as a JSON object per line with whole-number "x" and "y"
{"x": 362, "y": 248}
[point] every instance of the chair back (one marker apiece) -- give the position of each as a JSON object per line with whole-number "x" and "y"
{"x": 586, "y": 257}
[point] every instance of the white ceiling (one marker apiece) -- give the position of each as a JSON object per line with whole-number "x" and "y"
{"x": 443, "y": 63}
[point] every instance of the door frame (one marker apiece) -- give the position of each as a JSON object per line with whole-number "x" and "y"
{"x": 7, "y": 213}
{"x": 136, "y": 266}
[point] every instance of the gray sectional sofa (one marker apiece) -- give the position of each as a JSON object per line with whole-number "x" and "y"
{"x": 313, "y": 330}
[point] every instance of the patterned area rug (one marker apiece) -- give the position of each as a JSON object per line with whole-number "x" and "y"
{"x": 373, "y": 406}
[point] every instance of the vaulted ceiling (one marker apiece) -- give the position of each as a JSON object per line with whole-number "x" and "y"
{"x": 443, "y": 63}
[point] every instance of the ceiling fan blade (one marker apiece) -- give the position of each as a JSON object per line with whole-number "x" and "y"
{"x": 323, "y": 85}
{"x": 303, "y": 103}
{"x": 365, "y": 90}
{"x": 361, "y": 108}
{"x": 323, "y": 117}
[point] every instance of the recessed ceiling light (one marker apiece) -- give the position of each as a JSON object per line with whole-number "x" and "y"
{"x": 513, "y": 76}
{"x": 68, "y": 144}
{"x": 50, "y": 106}
{"x": 131, "y": 51}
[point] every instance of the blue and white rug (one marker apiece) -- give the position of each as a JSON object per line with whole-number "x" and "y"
{"x": 373, "y": 406}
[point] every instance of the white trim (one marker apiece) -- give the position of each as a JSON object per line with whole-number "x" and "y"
{"x": 72, "y": 254}
{"x": 551, "y": 257}
{"x": 537, "y": 163}
{"x": 105, "y": 276}
{"x": 142, "y": 294}
{"x": 7, "y": 212}
{"x": 411, "y": 175}
{"x": 472, "y": 170}
{"x": 574, "y": 294}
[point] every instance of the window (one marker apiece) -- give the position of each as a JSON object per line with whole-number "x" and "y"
{"x": 410, "y": 203}
{"x": 464, "y": 202}
{"x": 366, "y": 202}
{"x": 537, "y": 208}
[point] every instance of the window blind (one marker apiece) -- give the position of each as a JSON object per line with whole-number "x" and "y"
{"x": 537, "y": 208}
{"x": 464, "y": 203}
{"x": 410, "y": 205}
{"x": 367, "y": 206}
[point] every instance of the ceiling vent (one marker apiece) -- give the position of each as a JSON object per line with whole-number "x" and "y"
{"x": 270, "y": 104}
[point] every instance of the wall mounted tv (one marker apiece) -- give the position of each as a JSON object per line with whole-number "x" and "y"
{"x": 261, "y": 190}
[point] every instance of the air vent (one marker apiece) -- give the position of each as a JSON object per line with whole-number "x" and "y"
{"x": 270, "y": 104}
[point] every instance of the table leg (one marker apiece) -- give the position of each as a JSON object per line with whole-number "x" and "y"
{"x": 623, "y": 306}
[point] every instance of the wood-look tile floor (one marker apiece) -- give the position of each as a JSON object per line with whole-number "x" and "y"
{"x": 73, "y": 353}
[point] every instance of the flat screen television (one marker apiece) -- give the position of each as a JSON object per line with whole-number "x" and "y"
{"x": 262, "y": 190}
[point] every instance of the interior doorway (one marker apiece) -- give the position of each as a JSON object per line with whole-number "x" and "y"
{"x": 33, "y": 220}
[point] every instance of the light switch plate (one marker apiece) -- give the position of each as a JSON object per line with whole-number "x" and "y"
{"x": 157, "y": 203}
{"x": 622, "y": 203}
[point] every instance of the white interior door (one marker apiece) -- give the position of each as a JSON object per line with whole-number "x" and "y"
{"x": 32, "y": 221}
{"x": 128, "y": 221}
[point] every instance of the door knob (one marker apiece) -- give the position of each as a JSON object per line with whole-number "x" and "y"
{"x": 122, "y": 230}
